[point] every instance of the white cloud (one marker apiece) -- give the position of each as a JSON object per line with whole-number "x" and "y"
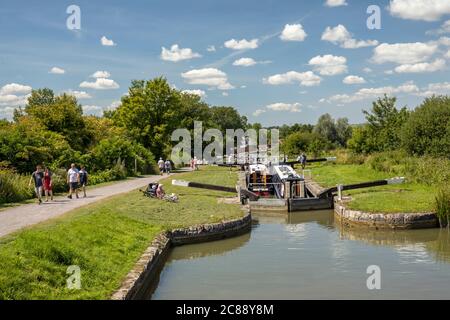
{"x": 100, "y": 84}
{"x": 241, "y": 44}
{"x": 426, "y": 10}
{"x": 176, "y": 54}
{"x": 92, "y": 110}
{"x": 367, "y": 70}
{"x": 79, "y": 94}
{"x": 373, "y": 93}
{"x": 422, "y": 67}
{"x": 15, "y": 88}
{"x": 353, "y": 80}
{"x": 306, "y": 79}
{"x": 56, "y": 70}
{"x": 225, "y": 94}
{"x": 435, "y": 89}
{"x": 404, "y": 53}
{"x": 13, "y": 95}
{"x": 101, "y": 74}
{"x": 447, "y": 55}
{"x": 329, "y": 65}
{"x": 211, "y": 77}
{"x": 107, "y": 42}
{"x": 244, "y": 62}
{"x": 280, "y": 106}
{"x": 335, "y": 3}
{"x": 293, "y": 32}
{"x": 211, "y": 48}
{"x": 340, "y": 35}
{"x": 197, "y": 92}
{"x": 258, "y": 112}
{"x": 445, "y": 28}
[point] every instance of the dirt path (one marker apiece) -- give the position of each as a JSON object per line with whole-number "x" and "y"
{"x": 26, "y": 215}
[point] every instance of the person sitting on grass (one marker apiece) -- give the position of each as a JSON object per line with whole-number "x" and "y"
{"x": 73, "y": 178}
{"x": 37, "y": 177}
{"x": 160, "y": 193}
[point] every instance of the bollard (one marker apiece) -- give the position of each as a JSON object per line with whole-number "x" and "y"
{"x": 339, "y": 189}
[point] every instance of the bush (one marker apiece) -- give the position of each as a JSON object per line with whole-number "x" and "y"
{"x": 14, "y": 187}
{"x": 443, "y": 206}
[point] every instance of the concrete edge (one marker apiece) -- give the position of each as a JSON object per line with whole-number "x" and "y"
{"x": 144, "y": 274}
{"x": 397, "y": 221}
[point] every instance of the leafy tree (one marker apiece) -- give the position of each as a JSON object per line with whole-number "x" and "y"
{"x": 299, "y": 142}
{"x": 227, "y": 118}
{"x": 343, "y": 131}
{"x": 326, "y": 128}
{"x": 427, "y": 130}
{"x": 150, "y": 113}
{"x": 384, "y": 123}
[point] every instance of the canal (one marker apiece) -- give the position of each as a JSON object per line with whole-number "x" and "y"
{"x": 310, "y": 256}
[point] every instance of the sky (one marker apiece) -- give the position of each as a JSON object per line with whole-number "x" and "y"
{"x": 277, "y": 62}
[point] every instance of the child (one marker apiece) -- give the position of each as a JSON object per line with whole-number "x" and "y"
{"x": 83, "y": 180}
{"x": 48, "y": 184}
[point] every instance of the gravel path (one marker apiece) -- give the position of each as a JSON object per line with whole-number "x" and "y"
{"x": 26, "y": 215}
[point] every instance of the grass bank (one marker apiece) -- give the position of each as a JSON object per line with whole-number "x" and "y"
{"x": 104, "y": 239}
{"x": 408, "y": 197}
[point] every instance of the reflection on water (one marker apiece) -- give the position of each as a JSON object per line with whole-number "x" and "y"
{"x": 309, "y": 256}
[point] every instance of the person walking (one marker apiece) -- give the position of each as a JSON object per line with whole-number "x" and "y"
{"x": 37, "y": 177}
{"x": 83, "y": 180}
{"x": 168, "y": 166}
{"x": 161, "y": 166}
{"x": 73, "y": 178}
{"x": 48, "y": 188}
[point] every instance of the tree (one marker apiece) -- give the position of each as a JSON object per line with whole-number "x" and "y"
{"x": 343, "y": 131}
{"x": 384, "y": 123}
{"x": 227, "y": 118}
{"x": 61, "y": 114}
{"x": 326, "y": 128}
{"x": 150, "y": 113}
{"x": 299, "y": 142}
{"x": 427, "y": 130}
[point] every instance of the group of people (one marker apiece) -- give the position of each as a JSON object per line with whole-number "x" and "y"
{"x": 164, "y": 166}
{"x": 43, "y": 182}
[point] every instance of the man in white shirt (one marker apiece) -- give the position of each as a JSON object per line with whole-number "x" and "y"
{"x": 73, "y": 178}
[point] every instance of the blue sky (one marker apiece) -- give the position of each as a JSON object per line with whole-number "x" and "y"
{"x": 292, "y": 62}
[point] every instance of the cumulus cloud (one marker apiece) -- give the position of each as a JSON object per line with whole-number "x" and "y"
{"x": 241, "y": 44}
{"x": 100, "y": 84}
{"x": 341, "y": 36}
{"x": 211, "y": 77}
{"x": 175, "y": 54}
{"x": 196, "y": 92}
{"x": 244, "y": 62}
{"x": 447, "y": 55}
{"x": 56, "y": 70}
{"x": 100, "y": 74}
{"x": 13, "y": 95}
{"x": 15, "y": 88}
{"x": 259, "y": 112}
{"x": 280, "y": 106}
{"x": 306, "y": 79}
{"x": 445, "y": 28}
{"x": 439, "y": 88}
{"x": 423, "y": 67}
{"x": 404, "y": 53}
{"x": 211, "y": 48}
{"x": 335, "y": 3}
{"x": 426, "y": 10}
{"x": 353, "y": 80}
{"x": 373, "y": 93}
{"x": 293, "y": 32}
{"x": 92, "y": 110}
{"x": 367, "y": 70}
{"x": 79, "y": 94}
{"x": 329, "y": 65}
{"x": 107, "y": 42}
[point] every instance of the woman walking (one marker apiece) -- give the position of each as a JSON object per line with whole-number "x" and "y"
{"x": 48, "y": 184}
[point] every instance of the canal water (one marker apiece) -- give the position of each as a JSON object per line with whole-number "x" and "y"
{"x": 310, "y": 256}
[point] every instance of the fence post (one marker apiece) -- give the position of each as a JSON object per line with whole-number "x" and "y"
{"x": 339, "y": 188}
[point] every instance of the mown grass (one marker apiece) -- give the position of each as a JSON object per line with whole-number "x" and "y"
{"x": 104, "y": 239}
{"x": 407, "y": 197}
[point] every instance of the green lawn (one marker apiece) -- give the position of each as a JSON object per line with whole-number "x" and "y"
{"x": 104, "y": 239}
{"x": 407, "y": 197}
